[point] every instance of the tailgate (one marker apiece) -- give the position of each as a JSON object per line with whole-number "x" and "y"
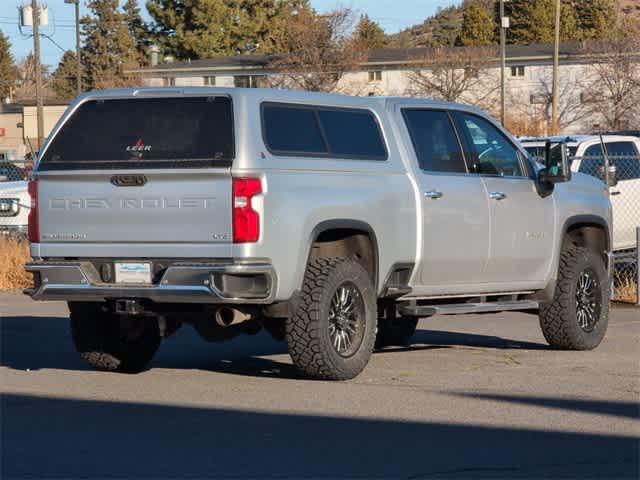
{"x": 170, "y": 207}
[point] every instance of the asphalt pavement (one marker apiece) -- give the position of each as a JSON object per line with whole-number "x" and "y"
{"x": 473, "y": 396}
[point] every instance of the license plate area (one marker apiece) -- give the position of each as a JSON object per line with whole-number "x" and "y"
{"x": 133, "y": 272}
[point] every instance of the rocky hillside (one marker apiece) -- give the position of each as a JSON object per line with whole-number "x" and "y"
{"x": 443, "y": 27}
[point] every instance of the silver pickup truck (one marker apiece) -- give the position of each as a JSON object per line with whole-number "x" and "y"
{"x": 333, "y": 222}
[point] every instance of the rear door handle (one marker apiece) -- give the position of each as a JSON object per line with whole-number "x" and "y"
{"x": 433, "y": 194}
{"x": 497, "y": 196}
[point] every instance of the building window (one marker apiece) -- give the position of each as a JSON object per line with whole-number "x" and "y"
{"x": 169, "y": 81}
{"x": 539, "y": 99}
{"x": 375, "y": 76}
{"x": 210, "y": 81}
{"x": 517, "y": 71}
{"x": 250, "y": 81}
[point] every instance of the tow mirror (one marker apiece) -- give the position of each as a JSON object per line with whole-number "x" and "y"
{"x": 557, "y": 166}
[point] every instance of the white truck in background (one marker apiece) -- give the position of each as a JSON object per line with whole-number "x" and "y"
{"x": 14, "y": 208}
{"x": 587, "y": 154}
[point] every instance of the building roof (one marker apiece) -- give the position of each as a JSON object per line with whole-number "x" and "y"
{"x": 18, "y": 105}
{"x": 246, "y": 61}
{"x": 376, "y": 57}
{"x": 514, "y": 52}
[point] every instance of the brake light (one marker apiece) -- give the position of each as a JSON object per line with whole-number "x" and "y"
{"x": 246, "y": 221}
{"x": 34, "y": 227}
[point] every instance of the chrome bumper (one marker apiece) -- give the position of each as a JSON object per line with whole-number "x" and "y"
{"x": 182, "y": 282}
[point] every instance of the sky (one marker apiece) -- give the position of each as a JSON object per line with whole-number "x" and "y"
{"x": 393, "y": 16}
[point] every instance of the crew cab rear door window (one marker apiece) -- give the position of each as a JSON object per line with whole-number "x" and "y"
{"x": 322, "y": 132}
{"x": 435, "y": 141}
{"x": 145, "y": 132}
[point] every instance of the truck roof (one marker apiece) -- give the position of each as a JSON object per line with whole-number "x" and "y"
{"x": 276, "y": 94}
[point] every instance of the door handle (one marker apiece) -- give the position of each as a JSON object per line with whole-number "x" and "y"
{"x": 433, "y": 194}
{"x": 497, "y": 196}
{"x": 615, "y": 192}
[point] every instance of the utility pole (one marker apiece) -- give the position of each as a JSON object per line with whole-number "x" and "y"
{"x": 556, "y": 61}
{"x": 78, "y": 67}
{"x": 503, "y": 62}
{"x": 78, "y": 64}
{"x": 36, "y": 54}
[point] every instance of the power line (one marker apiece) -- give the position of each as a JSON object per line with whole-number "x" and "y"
{"x": 48, "y": 37}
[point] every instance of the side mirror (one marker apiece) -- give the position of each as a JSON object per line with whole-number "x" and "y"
{"x": 557, "y": 166}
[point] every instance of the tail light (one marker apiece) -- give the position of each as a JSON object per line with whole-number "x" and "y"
{"x": 246, "y": 221}
{"x": 34, "y": 227}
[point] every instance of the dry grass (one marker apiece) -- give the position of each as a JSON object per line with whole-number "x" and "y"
{"x": 626, "y": 290}
{"x": 13, "y": 255}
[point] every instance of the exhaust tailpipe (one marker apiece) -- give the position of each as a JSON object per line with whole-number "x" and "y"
{"x": 225, "y": 316}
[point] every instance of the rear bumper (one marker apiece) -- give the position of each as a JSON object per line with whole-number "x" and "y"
{"x": 185, "y": 282}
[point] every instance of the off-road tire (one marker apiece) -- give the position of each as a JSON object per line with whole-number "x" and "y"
{"x": 558, "y": 319}
{"x": 100, "y": 341}
{"x": 307, "y": 329}
{"x": 396, "y": 332}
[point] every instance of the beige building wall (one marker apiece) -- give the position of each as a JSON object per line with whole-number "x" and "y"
{"x": 528, "y": 89}
{"x": 525, "y": 93}
{"x": 52, "y": 114}
{"x": 12, "y": 141}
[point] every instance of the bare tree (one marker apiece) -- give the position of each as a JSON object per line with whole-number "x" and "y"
{"x": 531, "y": 114}
{"x": 571, "y": 109}
{"x": 611, "y": 91}
{"x": 457, "y": 75}
{"x": 318, "y": 51}
{"x": 26, "y": 79}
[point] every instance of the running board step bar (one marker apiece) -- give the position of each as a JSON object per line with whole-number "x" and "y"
{"x": 412, "y": 310}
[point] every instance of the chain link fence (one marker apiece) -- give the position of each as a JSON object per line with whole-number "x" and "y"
{"x": 623, "y": 173}
{"x": 14, "y": 197}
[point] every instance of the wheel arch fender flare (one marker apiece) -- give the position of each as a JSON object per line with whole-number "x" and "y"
{"x": 341, "y": 224}
{"x": 587, "y": 220}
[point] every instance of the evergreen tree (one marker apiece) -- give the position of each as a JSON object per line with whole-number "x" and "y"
{"x": 8, "y": 69}
{"x": 109, "y": 49}
{"x": 477, "y": 26}
{"x": 533, "y": 21}
{"x": 64, "y": 82}
{"x": 137, "y": 30}
{"x": 595, "y": 19}
{"x": 445, "y": 25}
{"x": 206, "y": 28}
{"x": 370, "y": 34}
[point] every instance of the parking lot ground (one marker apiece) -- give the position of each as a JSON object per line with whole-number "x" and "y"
{"x": 475, "y": 396}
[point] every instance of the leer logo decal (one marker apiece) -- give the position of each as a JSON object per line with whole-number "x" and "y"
{"x": 138, "y": 149}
